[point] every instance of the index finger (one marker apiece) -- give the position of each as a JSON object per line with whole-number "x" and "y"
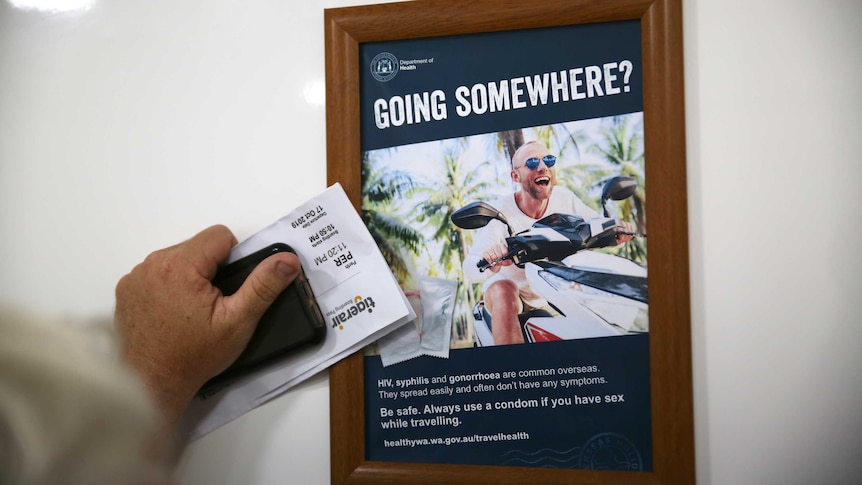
{"x": 208, "y": 249}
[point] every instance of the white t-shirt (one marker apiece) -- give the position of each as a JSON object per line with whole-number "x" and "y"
{"x": 562, "y": 201}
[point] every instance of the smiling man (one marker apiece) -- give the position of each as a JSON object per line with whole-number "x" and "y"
{"x": 506, "y": 290}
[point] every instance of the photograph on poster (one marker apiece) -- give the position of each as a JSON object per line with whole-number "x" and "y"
{"x": 504, "y": 180}
{"x": 410, "y": 194}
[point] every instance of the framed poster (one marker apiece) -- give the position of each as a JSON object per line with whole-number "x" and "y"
{"x": 509, "y": 156}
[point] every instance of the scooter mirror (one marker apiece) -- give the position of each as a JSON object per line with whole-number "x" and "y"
{"x": 619, "y": 188}
{"x": 477, "y": 214}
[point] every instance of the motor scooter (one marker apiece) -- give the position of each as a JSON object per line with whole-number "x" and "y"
{"x": 594, "y": 294}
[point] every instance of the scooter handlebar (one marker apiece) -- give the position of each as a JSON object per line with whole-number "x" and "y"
{"x": 483, "y": 264}
{"x": 608, "y": 238}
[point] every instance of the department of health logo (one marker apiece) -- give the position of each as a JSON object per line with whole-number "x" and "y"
{"x": 384, "y": 67}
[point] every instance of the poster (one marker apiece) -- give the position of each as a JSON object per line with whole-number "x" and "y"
{"x": 441, "y": 122}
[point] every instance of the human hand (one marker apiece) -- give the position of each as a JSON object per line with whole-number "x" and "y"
{"x": 495, "y": 252}
{"x": 177, "y": 329}
{"x": 626, "y": 227}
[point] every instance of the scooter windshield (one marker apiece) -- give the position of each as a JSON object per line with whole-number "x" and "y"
{"x": 573, "y": 227}
{"x": 633, "y": 287}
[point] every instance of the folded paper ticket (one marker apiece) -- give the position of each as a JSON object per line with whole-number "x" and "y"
{"x": 355, "y": 290}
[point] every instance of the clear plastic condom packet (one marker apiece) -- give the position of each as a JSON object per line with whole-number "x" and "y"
{"x": 403, "y": 343}
{"x": 432, "y": 329}
{"x": 438, "y": 307}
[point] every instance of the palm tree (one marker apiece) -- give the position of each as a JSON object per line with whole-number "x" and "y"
{"x": 509, "y": 141}
{"x": 573, "y": 174}
{"x": 622, "y": 146}
{"x": 456, "y": 187}
{"x": 381, "y": 191}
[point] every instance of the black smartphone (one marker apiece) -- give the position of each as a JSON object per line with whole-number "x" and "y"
{"x": 293, "y": 321}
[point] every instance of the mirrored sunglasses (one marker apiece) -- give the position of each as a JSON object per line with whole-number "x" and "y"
{"x": 533, "y": 163}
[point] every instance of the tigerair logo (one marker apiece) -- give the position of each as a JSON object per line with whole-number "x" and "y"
{"x": 351, "y": 309}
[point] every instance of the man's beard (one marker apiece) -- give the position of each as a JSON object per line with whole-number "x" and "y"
{"x": 538, "y": 192}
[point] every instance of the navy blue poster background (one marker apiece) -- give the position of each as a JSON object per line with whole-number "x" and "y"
{"x": 569, "y": 404}
{"x": 447, "y": 63}
{"x": 566, "y": 404}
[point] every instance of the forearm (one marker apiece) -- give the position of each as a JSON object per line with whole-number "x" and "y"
{"x": 170, "y": 393}
{"x": 487, "y": 237}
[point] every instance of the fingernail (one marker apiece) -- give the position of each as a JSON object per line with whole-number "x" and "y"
{"x": 285, "y": 270}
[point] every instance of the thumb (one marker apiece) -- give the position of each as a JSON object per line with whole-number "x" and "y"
{"x": 263, "y": 286}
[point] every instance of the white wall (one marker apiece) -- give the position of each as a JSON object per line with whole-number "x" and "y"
{"x": 132, "y": 125}
{"x": 773, "y": 108}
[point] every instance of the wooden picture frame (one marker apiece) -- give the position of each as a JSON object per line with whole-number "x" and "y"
{"x": 664, "y": 131}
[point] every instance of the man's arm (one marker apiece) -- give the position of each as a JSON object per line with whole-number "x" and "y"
{"x": 490, "y": 242}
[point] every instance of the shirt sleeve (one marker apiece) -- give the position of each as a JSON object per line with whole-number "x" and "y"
{"x": 576, "y": 205}
{"x": 584, "y": 210}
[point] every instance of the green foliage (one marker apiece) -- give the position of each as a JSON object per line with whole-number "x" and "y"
{"x": 621, "y": 145}
{"x": 454, "y": 187}
{"x": 380, "y": 191}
